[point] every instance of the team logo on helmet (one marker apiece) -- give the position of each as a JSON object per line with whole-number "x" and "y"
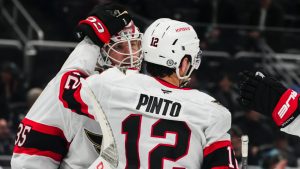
{"x": 126, "y": 45}
{"x": 170, "y": 62}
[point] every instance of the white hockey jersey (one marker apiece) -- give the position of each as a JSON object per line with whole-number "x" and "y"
{"x": 58, "y": 131}
{"x": 159, "y": 126}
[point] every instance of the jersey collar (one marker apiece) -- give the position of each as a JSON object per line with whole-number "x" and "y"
{"x": 169, "y": 85}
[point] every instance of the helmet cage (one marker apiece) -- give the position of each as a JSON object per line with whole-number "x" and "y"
{"x": 132, "y": 55}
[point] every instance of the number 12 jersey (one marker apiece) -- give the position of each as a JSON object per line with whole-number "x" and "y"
{"x": 159, "y": 126}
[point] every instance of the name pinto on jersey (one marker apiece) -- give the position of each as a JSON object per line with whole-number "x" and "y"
{"x": 158, "y": 106}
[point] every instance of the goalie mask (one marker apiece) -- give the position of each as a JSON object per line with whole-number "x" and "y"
{"x": 166, "y": 42}
{"x": 123, "y": 50}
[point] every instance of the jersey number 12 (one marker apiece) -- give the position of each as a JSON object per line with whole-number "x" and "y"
{"x": 131, "y": 127}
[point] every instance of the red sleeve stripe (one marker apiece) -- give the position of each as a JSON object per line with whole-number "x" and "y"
{"x": 33, "y": 151}
{"x": 43, "y": 128}
{"x": 84, "y": 107}
{"x": 216, "y": 145}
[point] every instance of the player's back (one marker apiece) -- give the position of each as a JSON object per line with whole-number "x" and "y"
{"x": 158, "y": 125}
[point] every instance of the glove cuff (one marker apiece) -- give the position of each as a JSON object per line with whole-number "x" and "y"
{"x": 99, "y": 28}
{"x": 285, "y": 110}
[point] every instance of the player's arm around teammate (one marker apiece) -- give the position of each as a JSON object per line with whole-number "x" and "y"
{"x": 55, "y": 131}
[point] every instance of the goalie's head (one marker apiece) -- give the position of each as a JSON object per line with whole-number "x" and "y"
{"x": 123, "y": 50}
{"x": 166, "y": 42}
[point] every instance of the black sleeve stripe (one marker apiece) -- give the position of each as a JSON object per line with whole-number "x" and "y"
{"x": 35, "y": 138}
{"x": 45, "y": 142}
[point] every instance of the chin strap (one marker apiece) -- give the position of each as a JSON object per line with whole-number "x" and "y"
{"x": 184, "y": 80}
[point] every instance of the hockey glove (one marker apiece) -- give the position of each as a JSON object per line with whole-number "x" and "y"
{"x": 102, "y": 23}
{"x": 266, "y": 95}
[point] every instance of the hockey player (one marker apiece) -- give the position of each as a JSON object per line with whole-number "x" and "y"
{"x": 266, "y": 95}
{"x": 156, "y": 122}
{"x": 59, "y": 131}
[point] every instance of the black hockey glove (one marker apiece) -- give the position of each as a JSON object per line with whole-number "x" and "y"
{"x": 102, "y": 23}
{"x": 266, "y": 95}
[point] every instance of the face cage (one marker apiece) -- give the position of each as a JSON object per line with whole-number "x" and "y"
{"x": 105, "y": 61}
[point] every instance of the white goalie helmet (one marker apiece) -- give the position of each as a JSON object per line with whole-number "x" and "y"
{"x": 167, "y": 41}
{"x": 124, "y": 49}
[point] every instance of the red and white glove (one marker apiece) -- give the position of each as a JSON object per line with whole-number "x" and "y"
{"x": 102, "y": 23}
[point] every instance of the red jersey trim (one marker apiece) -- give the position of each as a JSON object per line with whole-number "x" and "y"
{"x": 43, "y": 128}
{"x": 84, "y": 107}
{"x": 216, "y": 145}
{"x": 34, "y": 151}
{"x": 169, "y": 85}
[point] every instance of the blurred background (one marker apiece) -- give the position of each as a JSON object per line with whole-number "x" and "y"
{"x": 36, "y": 37}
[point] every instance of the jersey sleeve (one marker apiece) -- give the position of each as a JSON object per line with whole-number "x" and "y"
{"x": 44, "y": 135}
{"x": 48, "y": 129}
{"x": 46, "y": 132}
{"x": 37, "y": 145}
{"x": 80, "y": 64}
{"x": 70, "y": 93}
{"x": 218, "y": 151}
{"x": 83, "y": 58}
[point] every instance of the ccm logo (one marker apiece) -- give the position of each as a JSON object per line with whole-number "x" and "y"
{"x": 183, "y": 29}
{"x": 286, "y": 106}
{"x": 96, "y": 24}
